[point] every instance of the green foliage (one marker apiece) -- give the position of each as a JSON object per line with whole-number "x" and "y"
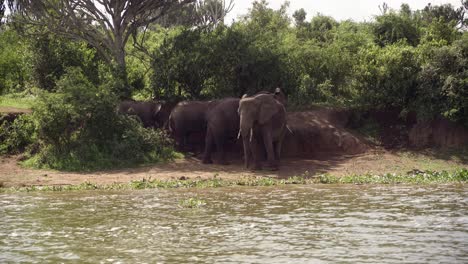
{"x": 392, "y": 27}
{"x": 53, "y": 55}
{"x": 443, "y": 82}
{"x": 412, "y": 177}
{"x": 387, "y": 77}
{"x": 182, "y": 63}
{"x": 15, "y": 61}
{"x": 384, "y": 64}
{"x": 79, "y": 129}
{"x": 16, "y": 136}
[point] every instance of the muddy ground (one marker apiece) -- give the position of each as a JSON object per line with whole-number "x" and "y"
{"x": 376, "y": 161}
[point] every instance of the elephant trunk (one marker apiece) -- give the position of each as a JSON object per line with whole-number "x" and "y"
{"x": 246, "y": 128}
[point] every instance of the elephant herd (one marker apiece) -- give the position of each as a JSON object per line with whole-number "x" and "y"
{"x": 260, "y": 120}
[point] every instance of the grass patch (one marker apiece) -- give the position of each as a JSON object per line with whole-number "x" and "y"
{"x": 413, "y": 177}
{"x": 17, "y": 101}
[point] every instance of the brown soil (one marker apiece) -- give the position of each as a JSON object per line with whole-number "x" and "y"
{"x": 321, "y": 130}
{"x": 439, "y": 133}
{"x": 373, "y": 161}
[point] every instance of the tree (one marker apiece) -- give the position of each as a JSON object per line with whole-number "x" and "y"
{"x": 299, "y": 17}
{"x": 2, "y": 10}
{"x": 447, "y": 13}
{"x": 392, "y": 27}
{"x": 212, "y": 12}
{"x": 200, "y": 13}
{"x": 105, "y": 24}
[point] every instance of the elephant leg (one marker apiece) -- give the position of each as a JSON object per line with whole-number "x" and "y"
{"x": 246, "y": 143}
{"x": 278, "y": 152}
{"x": 268, "y": 142}
{"x": 208, "y": 147}
{"x": 256, "y": 153}
{"x": 179, "y": 140}
{"x": 219, "y": 139}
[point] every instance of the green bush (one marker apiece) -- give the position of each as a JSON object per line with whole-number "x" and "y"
{"x": 443, "y": 83}
{"x": 78, "y": 128}
{"x": 54, "y": 54}
{"x": 16, "y": 136}
{"x": 386, "y": 77}
{"x": 15, "y": 61}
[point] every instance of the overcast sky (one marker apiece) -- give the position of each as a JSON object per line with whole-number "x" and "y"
{"x": 357, "y": 10}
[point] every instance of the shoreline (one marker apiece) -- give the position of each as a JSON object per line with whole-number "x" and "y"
{"x": 376, "y": 166}
{"x": 458, "y": 176}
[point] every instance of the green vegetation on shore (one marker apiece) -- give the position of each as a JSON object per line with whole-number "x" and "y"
{"x": 413, "y": 177}
{"x": 412, "y": 61}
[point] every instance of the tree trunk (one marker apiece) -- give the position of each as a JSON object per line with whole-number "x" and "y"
{"x": 122, "y": 85}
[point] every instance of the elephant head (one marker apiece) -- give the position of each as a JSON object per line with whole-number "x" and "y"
{"x": 280, "y": 96}
{"x": 259, "y": 108}
{"x": 256, "y": 110}
{"x": 146, "y": 111}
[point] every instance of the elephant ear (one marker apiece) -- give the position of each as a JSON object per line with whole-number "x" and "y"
{"x": 280, "y": 96}
{"x": 268, "y": 109}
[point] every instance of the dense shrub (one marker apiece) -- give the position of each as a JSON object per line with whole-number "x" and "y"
{"x": 443, "y": 83}
{"x": 16, "y": 136}
{"x": 15, "y": 61}
{"x": 386, "y": 77}
{"x": 79, "y": 129}
{"x": 393, "y": 27}
{"x": 53, "y": 55}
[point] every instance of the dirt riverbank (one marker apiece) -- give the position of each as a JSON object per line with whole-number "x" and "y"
{"x": 376, "y": 161}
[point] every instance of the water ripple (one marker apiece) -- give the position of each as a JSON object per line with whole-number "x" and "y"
{"x": 300, "y": 224}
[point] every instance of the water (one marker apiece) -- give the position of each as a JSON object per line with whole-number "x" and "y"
{"x": 299, "y": 224}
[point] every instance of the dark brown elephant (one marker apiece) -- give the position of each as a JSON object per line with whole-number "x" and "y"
{"x": 146, "y": 111}
{"x": 262, "y": 123}
{"x": 154, "y": 114}
{"x": 188, "y": 117}
{"x": 222, "y": 125}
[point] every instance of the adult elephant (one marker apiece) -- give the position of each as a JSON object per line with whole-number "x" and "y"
{"x": 153, "y": 114}
{"x": 262, "y": 122}
{"x": 146, "y": 111}
{"x": 186, "y": 118}
{"x": 222, "y": 125}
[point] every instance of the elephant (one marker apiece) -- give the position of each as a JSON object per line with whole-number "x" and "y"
{"x": 153, "y": 114}
{"x": 262, "y": 119}
{"x": 162, "y": 117}
{"x": 186, "y": 118}
{"x": 222, "y": 125}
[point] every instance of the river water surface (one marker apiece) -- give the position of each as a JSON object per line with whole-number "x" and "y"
{"x": 295, "y": 224}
